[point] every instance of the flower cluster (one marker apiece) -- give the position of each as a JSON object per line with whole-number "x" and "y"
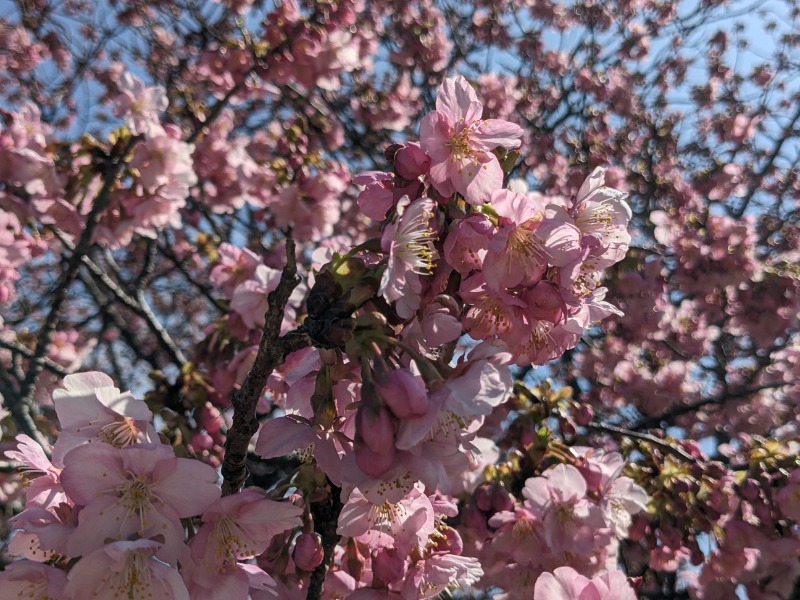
{"x": 116, "y": 514}
{"x": 375, "y": 408}
{"x": 570, "y": 516}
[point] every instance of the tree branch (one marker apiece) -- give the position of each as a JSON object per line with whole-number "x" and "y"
{"x": 272, "y": 350}
{"x": 326, "y": 520}
{"x": 645, "y": 437}
{"x": 19, "y": 405}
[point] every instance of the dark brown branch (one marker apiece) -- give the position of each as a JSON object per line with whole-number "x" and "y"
{"x": 272, "y": 350}
{"x": 138, "y": 305}
{"x": 326, "y": 520}
{"x": 683, "y": 409}
{"x": 48, "y": 364}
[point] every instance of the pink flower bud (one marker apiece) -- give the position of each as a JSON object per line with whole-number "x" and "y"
{"x": 375, "y": 427}
{"x": 584, "y": 414}
{"x": 308, "y": 551}
{"x": 502, "y": 501}
{"x": 483, "y": 498}
{"x": 201, "y": 441}
{"x": 404, "y": 393}
{"x": 373, "y": 463}
{"x": 210, "y": 418}
{"x": 411, "y": 161}
{"x": 389, "y": 565}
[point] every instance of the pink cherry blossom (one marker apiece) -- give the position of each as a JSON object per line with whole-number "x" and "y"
{"x": 125, "y": 570}
{"x": 409, "y": 243}
{"x": 90, "y": 408}
{"x": 142, "y": 489}
{"x": 566, "y": 584}
{"x": 460, "y": 143}
{"x": 139, "y": 104}
{"x": 404, "y": 524}
{"x": 45, "y": 490}
{"x": 527, "y": 242}
{"x": 28, "y": 579}
{"x": 282, "y": 435}
{"x": 559, "y": 499}
{"x": 241, "y": 526}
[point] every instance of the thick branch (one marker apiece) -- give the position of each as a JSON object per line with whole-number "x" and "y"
{"x": 326, "y": 519}
{"x": 272, "y": 350}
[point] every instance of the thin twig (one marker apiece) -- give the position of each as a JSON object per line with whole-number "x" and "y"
{"x": 645, "y": 437}
{"x": 19, "y": 406}
{"x": 48, "y": 364}
{"x": 138, "y": 305}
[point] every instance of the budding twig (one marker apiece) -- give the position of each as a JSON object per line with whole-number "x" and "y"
{"x": 645, "y": 437}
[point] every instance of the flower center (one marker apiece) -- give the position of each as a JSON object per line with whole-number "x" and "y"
{"x": 229, "y": 543}
{"x": 527, "y": 245}
{"x": 565, "y": 514}
{"x": 461, "y": 145}
{"x": 119, "y": 433}
{"x": 136, "y": 495}
{"x": 415, "y": 242}
{"x": 383, "y": 516}
{"x": 523, "y": 531}
{"x": 135, "y": 577}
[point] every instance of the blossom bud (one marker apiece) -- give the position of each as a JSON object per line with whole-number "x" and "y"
{"x": 584, "y": 414}
{"x": 474, "y": 518}
{"x": 308, "y": 551}
{"x": 389, "y": 565}
{"x": 201, "y": 441}
{"x": 375, "y": 427}
{"x": 502, "y": 501}
{"x": 483, "y": 498}
{"x": 405, "y": 394}
{"x": 411, "y": 161}
{"x": 210, "y": 418}
{"x": 373, "y": 463}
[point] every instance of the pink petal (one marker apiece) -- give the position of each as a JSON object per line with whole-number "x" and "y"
{"x": 496, "y": 132}
{"x": 476, "y": 183}
{"x": 439, "y": 176}
{"x": 190, "y": 489}
{"x": 567, "y": 481}
{"x": 30, "y": 453}
{"x": 83, "y": 384}
{"x": 563, "y": 584}
{"x": 515, "y": 206}
{"x": 457, "y": 100}
{"x": 434, "y": 136}
{"x": 562, "y": 241}
{"x": 592, "y": 183}
{"x": 92, "y": 470}
{"x": 282, "y": 436}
